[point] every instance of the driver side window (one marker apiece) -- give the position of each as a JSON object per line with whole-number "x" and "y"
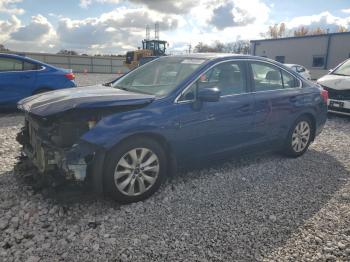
{"x": 229, "y": 77}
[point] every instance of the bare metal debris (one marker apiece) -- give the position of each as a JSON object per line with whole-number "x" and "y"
{"x": 263, "y": 207}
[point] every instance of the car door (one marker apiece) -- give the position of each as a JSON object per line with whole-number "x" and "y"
{"x": 277, "y": 94}
{"x": 212, "y": 127}
{"x": 17, "y": 79}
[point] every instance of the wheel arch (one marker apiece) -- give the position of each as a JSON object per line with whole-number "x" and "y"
{"x": 312, "y": 119}
{"x": 162, "y": 141}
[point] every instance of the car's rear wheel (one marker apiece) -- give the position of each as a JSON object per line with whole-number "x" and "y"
{"x": 135, "y": 170}
{"x": 299, "y": 137}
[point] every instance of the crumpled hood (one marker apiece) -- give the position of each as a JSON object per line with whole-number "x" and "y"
{"x": 335, "y": 82}
{"x": 98, "y": 96}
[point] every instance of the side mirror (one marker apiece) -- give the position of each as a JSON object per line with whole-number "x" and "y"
{"x": 208, "y": 94}
{"x": 330, "y": 70}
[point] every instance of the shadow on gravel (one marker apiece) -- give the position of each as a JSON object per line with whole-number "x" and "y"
{"x": 58, "y": 191}
{"x": 241, "y": 208}
{"x": 270, "y": 197}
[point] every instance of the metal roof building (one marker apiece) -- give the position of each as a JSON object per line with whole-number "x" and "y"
{"x": 318, "y": 53}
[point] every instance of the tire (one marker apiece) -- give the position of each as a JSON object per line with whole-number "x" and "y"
{"x": 299, "y": 137}
{"x": 126, "y": 179}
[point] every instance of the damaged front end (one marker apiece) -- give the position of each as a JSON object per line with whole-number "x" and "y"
{"x": 53, "y": 144}
{"x": 56, "y": 123}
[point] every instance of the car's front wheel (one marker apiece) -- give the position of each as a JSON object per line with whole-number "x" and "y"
{"x": 135, "y": 169}
{"x": 299, "y": 137}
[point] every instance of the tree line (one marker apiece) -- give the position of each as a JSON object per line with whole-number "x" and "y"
{"x": 237, "y": 47}
{"x": 279, "y": 31}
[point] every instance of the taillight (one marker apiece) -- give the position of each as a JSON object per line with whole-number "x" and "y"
{"x": 324, "y": 94}
{"x": 70, "y": 76}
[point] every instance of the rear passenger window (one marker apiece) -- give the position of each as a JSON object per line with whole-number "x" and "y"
{"x": 9, "y": 64}
{"x": 29, "y": 66}
{"x": 266, "y": 77}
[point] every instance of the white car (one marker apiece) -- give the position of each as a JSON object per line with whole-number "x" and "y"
{"x": 337, "y": 83}
{"x": 300, "y": 70}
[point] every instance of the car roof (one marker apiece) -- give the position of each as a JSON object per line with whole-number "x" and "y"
{"x": 215, "y": 57}
{"x": 22, "y": 57}
{"x": 206, "y": 55}
{"x": 220, "y": 56}
{"x": 211, "y": 55}
{"x": 12, "y": 55}
{"x": 28, "y": 59}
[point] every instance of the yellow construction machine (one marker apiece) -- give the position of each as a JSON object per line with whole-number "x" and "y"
{"x": 151, "y": 49}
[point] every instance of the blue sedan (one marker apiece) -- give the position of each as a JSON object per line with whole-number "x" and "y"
{"x": 127, "y": 138}
{"x": 21, "y": 77}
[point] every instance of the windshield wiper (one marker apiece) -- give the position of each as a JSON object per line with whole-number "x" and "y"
{"x": 339, "y": 74}
{"x": 121, "y": 87}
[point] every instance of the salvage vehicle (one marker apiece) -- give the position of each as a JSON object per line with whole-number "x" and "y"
{"x": 21, "y": 77}
{"x": 127, "y": 138}
{"x": 300, "y": 70}
{"x": 337, "y": 83}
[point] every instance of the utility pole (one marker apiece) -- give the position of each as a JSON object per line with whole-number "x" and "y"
{"x": 147, "y": 32}
{"x": 156, "y": 31}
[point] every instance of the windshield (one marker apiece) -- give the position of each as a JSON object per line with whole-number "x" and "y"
{"x": 343, "y": 70}
{"x": 160, "y": 76}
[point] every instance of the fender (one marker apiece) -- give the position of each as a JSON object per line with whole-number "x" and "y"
{"x": 112, "y": 129}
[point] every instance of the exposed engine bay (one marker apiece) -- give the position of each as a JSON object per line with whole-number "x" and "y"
{"x": 53, "y": 143}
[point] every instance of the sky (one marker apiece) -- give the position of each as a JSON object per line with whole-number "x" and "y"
{"x": 116, "y": 26}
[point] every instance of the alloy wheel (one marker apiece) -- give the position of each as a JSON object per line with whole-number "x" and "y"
{"x": 136, "y": 171}
{"x": 301, "y": 136}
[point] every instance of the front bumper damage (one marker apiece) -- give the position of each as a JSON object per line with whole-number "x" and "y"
{"x": 80, "y": 162}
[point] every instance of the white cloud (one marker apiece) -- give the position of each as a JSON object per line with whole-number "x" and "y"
{"x": 163, "y": 6}
{"x": 346, "y": 11}
{"x": 324, "y": 20}
{"x": 85, "y": 3}
{"x": 123, "y": 28}
{"x": 168, "y": 6}
{"x": 182, "y": 22}
{"x": 230, "y": 13}
{"x": 8, "y": 26}
{"x": 9, "y": 6}
{"x": 39, "y": 29}
{"x": 37, "y": 36}
{"x": 113, "y": 31}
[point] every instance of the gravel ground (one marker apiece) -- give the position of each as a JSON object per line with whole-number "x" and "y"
{"x": 93, "y": 79}
{"x": 259, "y": 208}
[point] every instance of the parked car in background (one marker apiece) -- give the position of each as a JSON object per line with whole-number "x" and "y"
{"x": 300, "y": 70}
{"x": 127, "y": 138}
{"x": 337, "y": 83}
{"x": 21, "y": 77}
